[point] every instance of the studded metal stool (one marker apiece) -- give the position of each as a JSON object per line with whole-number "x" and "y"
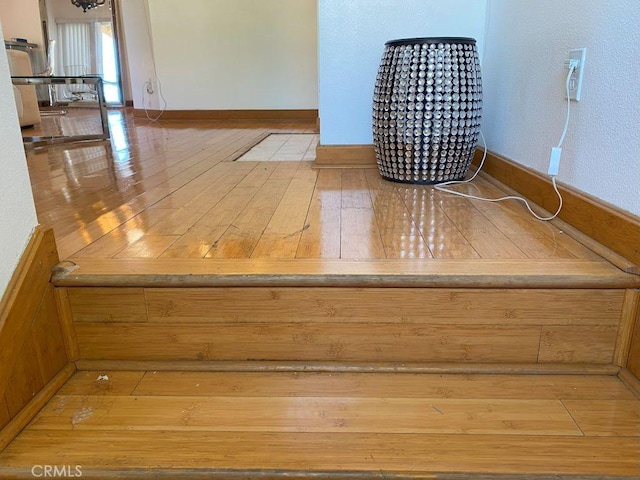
{"x": 427, "y": 107}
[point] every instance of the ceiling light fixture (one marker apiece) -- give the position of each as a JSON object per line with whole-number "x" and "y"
{"x": 88, "y": 4}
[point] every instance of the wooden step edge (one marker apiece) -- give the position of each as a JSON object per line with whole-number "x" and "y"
{"x": 10, "y": 473}
{"x": 630, "y": 380}
{"x": 553, "y": 273}
{"x": 349, "y": 367}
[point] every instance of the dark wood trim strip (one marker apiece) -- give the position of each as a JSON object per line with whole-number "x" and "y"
{"x": 23, "y": 297}
{"x": 29, "y": 411}
{"x": 349, "y": 367}
{"x": 345, "y": 156}
{"x": 279, "y": 115}
{"x": 605, "y": 223}
{"x": 552, "y": 273}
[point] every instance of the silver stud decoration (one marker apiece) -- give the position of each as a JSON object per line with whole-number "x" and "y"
{"x": 427, "y": 107}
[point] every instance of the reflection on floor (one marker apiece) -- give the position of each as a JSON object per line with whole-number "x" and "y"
{"x": 172, "y": 190}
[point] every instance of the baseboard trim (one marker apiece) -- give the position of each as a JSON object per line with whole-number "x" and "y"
{"x": 612, "y": 227}
{"x": 349, "y": 367}
{"x": 250, "y": 115}
{"x": 30, "y": 410}
{"x": 345, "y": 156}
{"x": 23, "y": 296}
{"x": 630, "y": 381}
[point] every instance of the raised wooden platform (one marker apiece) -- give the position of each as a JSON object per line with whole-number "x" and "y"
{"x": 269, "y": 320}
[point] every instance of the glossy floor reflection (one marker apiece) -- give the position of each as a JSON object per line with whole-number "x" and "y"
{"x": 172, "y": 189}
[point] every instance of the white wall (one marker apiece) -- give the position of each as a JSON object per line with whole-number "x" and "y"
{"x": 352, "y": 34}
{"x": 524, "y": 106}
{"x": 219, "y": 55}
{"x": 17, "y": 211}
{"x": 137, "y": 33}
{"x": 21, "y": 19}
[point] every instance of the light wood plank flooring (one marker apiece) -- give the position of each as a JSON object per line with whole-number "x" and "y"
{"x": 173, "y": 190}
{"x": 380, "y": 423}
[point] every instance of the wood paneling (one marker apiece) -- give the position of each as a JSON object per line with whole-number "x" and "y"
{"x": 35, "y": 404}
{"x": 577, "y": 344}
{"x": 611, "y": 226}
{"x": 66, "y": 323}
{"x": 376, "y": 305}
{"x": 399, "y": 343}
{"x": 23, "y": 298}
{"x": 341, "y": 156}
{"x": 108, "y": 304}
{"x": 32, "y": 348}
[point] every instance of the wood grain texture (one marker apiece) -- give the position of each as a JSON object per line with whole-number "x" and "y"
{"x": 628, "y": 318}
{"x": 630, "y": 380}
{"x": 439, "y": 368}
{"x": 35, "y": 404}
{"x": 66, "y": 323}
{"x": 317, "y": 341}
{"x": 261, "y": 115}
{"x": 356, "y": 385}
{"x": 340, "y": 156}
{"x": 379, "y": 305}
{"x": 308, "y": 414}
{"x": 606, "y": 417}
{"x": 600, "y": 221}
{"x": 633, "y": 362}
{"x": 107, "y": 305}
{"x": 23, "y": 298}
{"x": 102, "y": 383}
{"x": 577, "y": 344}
{"x": 342, "y": 452}
{"x": 467, "y": 273}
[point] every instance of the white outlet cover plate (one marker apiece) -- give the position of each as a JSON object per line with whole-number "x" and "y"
{"x": 580, "y": 55}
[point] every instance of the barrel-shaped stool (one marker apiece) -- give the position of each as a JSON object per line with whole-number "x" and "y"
{"x": 427, "y": 107}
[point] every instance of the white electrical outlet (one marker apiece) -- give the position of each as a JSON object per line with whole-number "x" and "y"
{"x": 150, "y": 86}
{"x": 576, "y": 57}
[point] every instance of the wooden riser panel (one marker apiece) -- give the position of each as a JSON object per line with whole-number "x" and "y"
{"x": 347, "y": 324}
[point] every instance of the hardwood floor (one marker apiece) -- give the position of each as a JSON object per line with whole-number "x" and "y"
{"x": 173, "y": 190}
{"x": 288, "y": 311}
{"x": 385, "y": 424}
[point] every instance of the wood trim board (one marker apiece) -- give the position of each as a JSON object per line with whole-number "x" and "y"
{"x": 344, "y": 156}
{"x": 280, "y": 115}
{"x": 23, "y": 297}
{"x": 605, "y": 223}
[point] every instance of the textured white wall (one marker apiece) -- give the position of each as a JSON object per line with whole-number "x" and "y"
{"x": 245, "y": 54}
{"x": 352, "y": 34}
{"x": 524, "y": 107}
{"x": 17, "y": 211}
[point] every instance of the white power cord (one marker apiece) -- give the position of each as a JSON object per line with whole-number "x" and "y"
{"x": 442, "y": 186}
{"x": 155, "y": 72}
